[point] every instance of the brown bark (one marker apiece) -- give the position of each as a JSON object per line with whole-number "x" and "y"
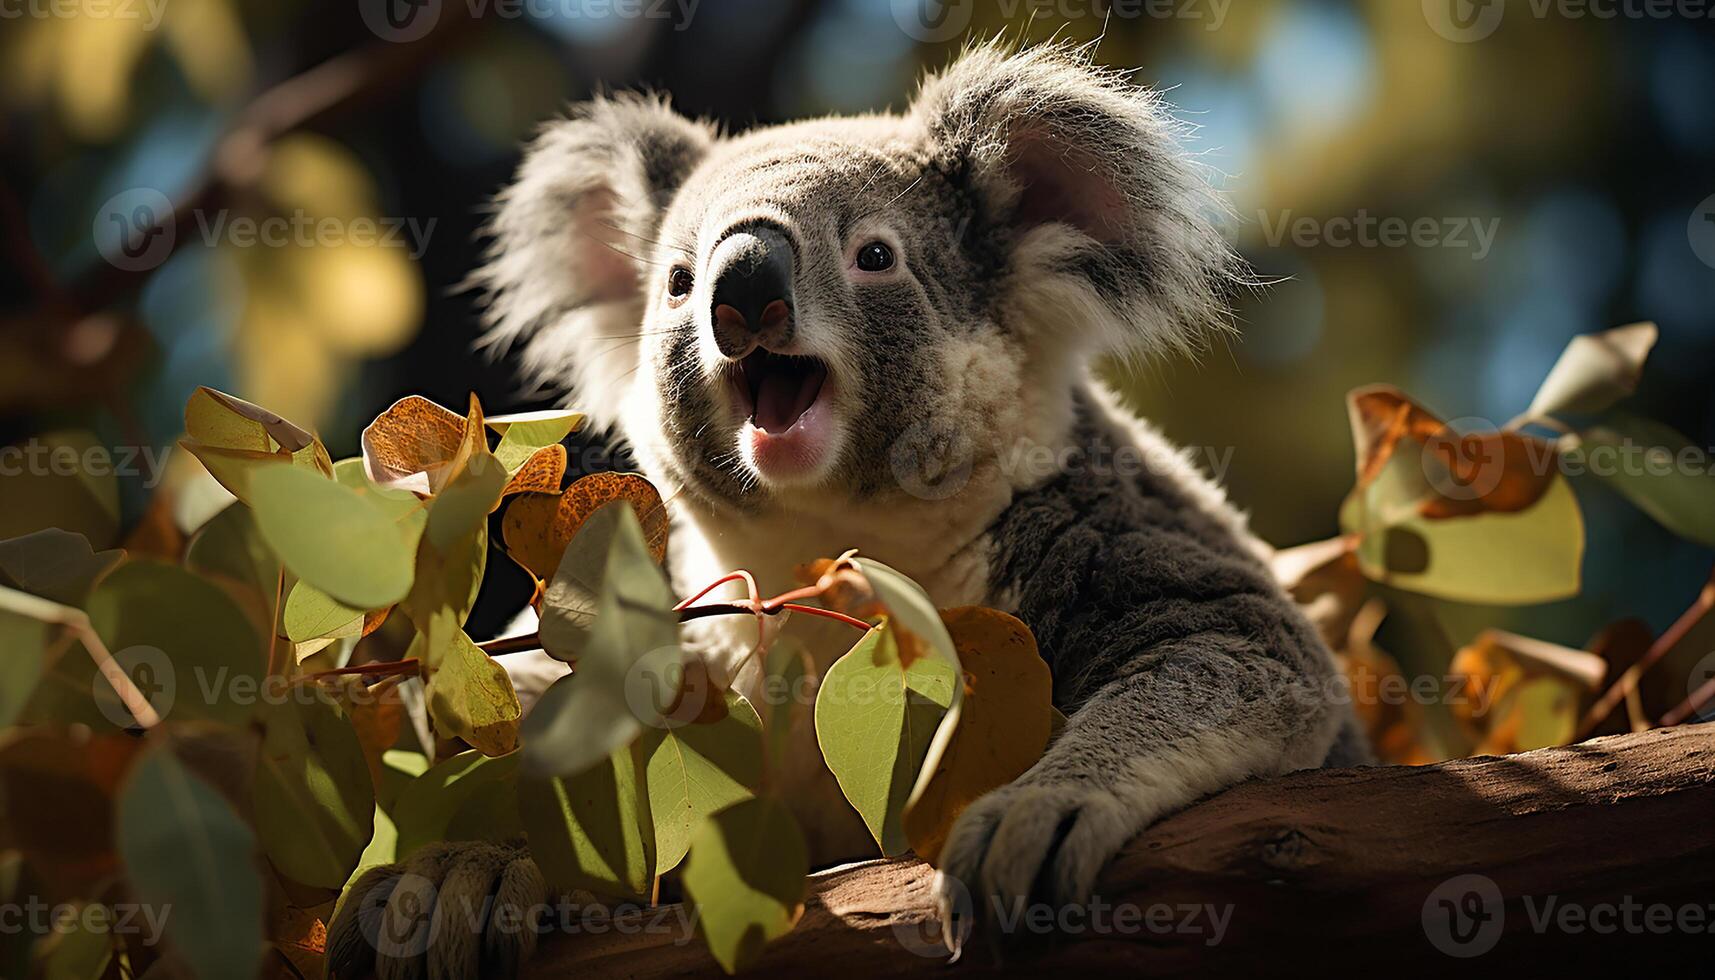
{"x": 1333, "y": 871}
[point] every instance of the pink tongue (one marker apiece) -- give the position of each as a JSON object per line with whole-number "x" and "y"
{"x": 783, "y": 397}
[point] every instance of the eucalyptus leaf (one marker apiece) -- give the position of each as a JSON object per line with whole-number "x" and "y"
{"x": 185, "y": 849}
{"x": 747, "y": 876}
{"x": 55, "y": 564}
{"x": 312, "y": 614}
{"x": 594, "y": 829}
{"x": 314, "y": 799}
{"x": 875, "y": 719}
{"x": 1656, "y": 468}
{"x": 630, "y": 665}
{"x": 187, "y": 646}
{"x": 1596, "y": 371}
{"x": 470, "y": 695}
{"x": 61, "y": 487}
{"x": 698, "y": 768}
{"x": 430, "y": 806}
{"x": 1519, "y": 558}
{"x": 332, "y": 536}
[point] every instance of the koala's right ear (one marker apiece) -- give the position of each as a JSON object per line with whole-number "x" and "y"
{"x": 568, "y": 265}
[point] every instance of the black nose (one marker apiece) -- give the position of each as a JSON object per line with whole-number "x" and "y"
{"x": 753, "y": 291}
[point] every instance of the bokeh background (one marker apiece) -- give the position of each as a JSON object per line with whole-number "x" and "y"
{"x": 1585, "y": 143}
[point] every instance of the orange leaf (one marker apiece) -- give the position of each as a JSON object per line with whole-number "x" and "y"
{"x": 1003, "y": 727}
{"x": 413, "y": 445}
{"x": 541, "y": 473}
{"x": 538, "y": 526}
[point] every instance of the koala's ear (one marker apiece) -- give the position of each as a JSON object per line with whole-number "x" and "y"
{"x": 1106, "y": 220}
{"x": 571, "y": 237}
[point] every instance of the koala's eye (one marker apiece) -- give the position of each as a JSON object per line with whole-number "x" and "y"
{"x": 875, "y": 257}
{"x": 679, "y": 282}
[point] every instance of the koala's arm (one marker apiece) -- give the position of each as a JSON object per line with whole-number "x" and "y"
{"x": 1182, "y": 666}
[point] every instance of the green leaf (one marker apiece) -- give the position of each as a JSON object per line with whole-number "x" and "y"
{"x": 1656, "y": 468}
{"x": 630, "y": 665}
{"x": 314, "y": 800}
{"x": 913, "y": 612}
{"x": 470, "y": 695}
{"x": 185, "y": 644}
{"x": 333, "y": 537}
{"x": 747, "y": 877}
{"x": 54, "y": 564}
{"x": 82, "y": 946}
{"x": 234, "y": 439}
{"x": 63, "y": 480}
{"x": 230, "y": 546}
{"x": 185, "y": 849}
{"x": 1596, "y": 371}
{"x": 453, "y": 552}
{"x": 313, "y": 614}
{"x": 431, "y": 806}
{"x": 875, "y": 719}
{"x": 697, "y": 769}
{"x": 786, "y": 687}
{"x": 593, "y": 830}
{"x": 1514, "y": 558}
{"x": 523, "y": 434}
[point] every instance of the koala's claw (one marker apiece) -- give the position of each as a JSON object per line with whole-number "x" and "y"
{"x": 454, "y": 910}
{"x": 1026, "y": 844}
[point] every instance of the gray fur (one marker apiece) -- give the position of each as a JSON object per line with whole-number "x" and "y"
{"x": 1043, "y": 212}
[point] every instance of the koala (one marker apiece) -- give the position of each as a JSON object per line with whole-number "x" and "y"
{"x": 855, "y": 333}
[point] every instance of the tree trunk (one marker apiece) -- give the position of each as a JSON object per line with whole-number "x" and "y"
{"x": 1549, "y": 861}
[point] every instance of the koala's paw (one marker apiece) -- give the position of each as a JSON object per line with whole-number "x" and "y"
{"x": 454, "y": 910}
{"x": 1024, "y": 845}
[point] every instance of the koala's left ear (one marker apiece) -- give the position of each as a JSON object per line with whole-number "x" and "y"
{"x": 568, "y": 270}
{"x": 1108, "y": 223}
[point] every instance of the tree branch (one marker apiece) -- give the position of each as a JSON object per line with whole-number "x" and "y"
{"x": 1326, "y": 871}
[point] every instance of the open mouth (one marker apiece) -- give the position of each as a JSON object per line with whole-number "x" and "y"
{"x": 780, "y": 388}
